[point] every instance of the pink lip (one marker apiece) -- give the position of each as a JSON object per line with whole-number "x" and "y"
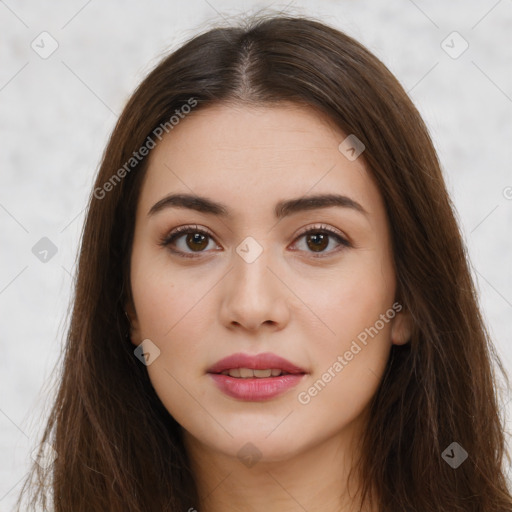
{"x": 257, "y": 362}
{"x": 255, "y": 389}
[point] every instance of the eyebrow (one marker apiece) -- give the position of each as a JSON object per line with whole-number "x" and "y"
{"x": 282, "y": 209}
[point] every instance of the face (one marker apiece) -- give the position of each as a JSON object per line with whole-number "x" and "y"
{"x": 250, "y": 270}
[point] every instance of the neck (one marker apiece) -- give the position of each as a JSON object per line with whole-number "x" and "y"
{"x": 314, "y": 479}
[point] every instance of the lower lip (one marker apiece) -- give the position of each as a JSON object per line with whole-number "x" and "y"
{"x": 256, "y": 389}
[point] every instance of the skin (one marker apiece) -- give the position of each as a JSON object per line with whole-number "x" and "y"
{"x": 289, "y": 301}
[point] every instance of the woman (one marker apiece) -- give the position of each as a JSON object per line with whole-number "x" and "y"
{"x": 273, "y": 308}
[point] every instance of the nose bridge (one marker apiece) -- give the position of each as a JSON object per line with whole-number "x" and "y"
{"x": 253, "y": 294}
{"x": 252, "y": 279}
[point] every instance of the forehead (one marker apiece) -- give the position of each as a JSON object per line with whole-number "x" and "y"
{"x": 252, "y": 157}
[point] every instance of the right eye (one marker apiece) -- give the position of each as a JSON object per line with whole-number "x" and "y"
{"x": 194, "y": 238}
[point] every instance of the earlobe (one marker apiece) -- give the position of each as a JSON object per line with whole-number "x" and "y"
{"x": 401, "y": 329}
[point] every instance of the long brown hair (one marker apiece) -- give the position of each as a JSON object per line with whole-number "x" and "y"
{"x": 118, "y": 447}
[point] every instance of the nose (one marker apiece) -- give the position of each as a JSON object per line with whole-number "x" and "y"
{"x": 253, "y": 295}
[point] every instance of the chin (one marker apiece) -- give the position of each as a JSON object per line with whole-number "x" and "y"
{"x": 254, "y": 446}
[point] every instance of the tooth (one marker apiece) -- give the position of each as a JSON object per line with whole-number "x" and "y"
{"x": 262, "y": 373}
{"x": 246, "y": 373}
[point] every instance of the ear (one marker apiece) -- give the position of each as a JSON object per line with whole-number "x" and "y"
{"x": 401, "y": 328}
{"x": 134, "y": 323}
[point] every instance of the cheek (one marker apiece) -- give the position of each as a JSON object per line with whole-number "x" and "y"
{"x": 174, "y": 316}
{"x": 163, "y": 296}
{"x": 349, "y": 364}
{"x": 351, "y": 346}
{"x": 348, "y": 300}
{"x": 174, "y": 311}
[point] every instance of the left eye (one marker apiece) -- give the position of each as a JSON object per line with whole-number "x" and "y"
{"x": 316, "y": 240}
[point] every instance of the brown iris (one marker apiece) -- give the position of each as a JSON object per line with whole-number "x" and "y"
{"x": 317, "y": 241}
{"x": 197, "y": 238}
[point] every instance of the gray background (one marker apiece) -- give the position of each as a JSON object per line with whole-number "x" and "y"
{"x": 57, "y": 112}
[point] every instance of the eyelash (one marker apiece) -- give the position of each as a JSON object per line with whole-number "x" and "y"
{"x": 168, "y": 239}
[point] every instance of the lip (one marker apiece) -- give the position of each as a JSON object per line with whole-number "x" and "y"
{"x": 255, "y": 362}
{"x": 256, "y": 389}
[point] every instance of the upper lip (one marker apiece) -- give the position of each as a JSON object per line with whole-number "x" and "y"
{"x": 263, "y": 361}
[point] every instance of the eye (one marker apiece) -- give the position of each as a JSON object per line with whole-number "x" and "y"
{"x": 318, "y": 238}
{"x": 191, "y": 237}
{"x": 184, "y": 241}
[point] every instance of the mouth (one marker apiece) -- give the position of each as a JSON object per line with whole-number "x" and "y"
{"x": 249, "y": 373}
{"x": 263, "y": 365}
{"x": 255, "y": 378}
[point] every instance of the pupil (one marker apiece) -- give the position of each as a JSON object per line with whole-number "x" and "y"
{"x": 320, "y": 242}
{"x": 197, "y": 238}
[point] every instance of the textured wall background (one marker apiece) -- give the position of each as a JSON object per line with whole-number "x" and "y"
{"x": 57, "y": 110}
